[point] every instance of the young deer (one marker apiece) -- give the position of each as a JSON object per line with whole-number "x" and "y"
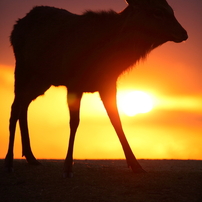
{"x": 85, "y": 53}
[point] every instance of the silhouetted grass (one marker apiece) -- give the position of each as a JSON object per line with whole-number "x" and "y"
{"x": 103, "y": 180}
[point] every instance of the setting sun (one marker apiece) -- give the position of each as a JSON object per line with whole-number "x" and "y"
{"x": 135, "y": 102}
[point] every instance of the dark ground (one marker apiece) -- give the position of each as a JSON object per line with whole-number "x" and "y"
{"x": 103, "y": 180}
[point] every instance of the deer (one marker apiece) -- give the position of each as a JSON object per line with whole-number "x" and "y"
{"x": 86, "y": 53}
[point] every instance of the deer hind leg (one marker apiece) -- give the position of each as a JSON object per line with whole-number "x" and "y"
{"x": 19, "y": 112}
{"x": 108, "y": 97}
{"x": 26, "y": 148}
{"x": 74, "y": 100}
{"x": 34, "y": 88}
{"x": 15, "y": 111}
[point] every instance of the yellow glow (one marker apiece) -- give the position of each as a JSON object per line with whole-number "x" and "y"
{"x": 134, "y": 102}
{"x": 169, "y": 131}
{"x": 183, "y": 103}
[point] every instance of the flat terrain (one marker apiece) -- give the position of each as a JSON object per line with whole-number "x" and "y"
{"x": 103, "y": 180}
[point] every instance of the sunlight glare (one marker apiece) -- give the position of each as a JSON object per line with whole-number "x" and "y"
{"x": 135, "y": 102}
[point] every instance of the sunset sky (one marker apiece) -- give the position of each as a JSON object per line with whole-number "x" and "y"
{"x": 171, "y": 75}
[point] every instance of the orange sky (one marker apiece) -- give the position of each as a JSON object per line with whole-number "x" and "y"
{"x": 172, "y": 74}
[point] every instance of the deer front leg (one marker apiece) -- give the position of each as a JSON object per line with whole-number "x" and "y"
{"x": 108, "y": 97}
{"x": 74, "y": 100}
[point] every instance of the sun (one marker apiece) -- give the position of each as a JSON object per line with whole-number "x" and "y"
{"x": 134, "y": 102}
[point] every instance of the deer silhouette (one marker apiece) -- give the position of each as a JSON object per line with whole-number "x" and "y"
{"x": 85, "y": 53}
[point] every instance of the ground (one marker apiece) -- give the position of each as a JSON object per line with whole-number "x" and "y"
{"x": 102, "y": 181}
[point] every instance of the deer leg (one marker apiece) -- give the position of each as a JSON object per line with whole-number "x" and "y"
{"x": 108, "y": 97}
{"x": 74, "y": 100}
{"x": 26, "y": 148}
{"x": 33, "y": 89}
{"x": 15, "y": 111}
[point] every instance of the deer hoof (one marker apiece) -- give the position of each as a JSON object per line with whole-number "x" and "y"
{"x": 34, "y": 163}
{"x": 68, "y": 175}
{"x": 138, "y": 169}
{"x": 9, "y": 169}
{"x": 32, "y": 160}
{"x": 8, "y": 164}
